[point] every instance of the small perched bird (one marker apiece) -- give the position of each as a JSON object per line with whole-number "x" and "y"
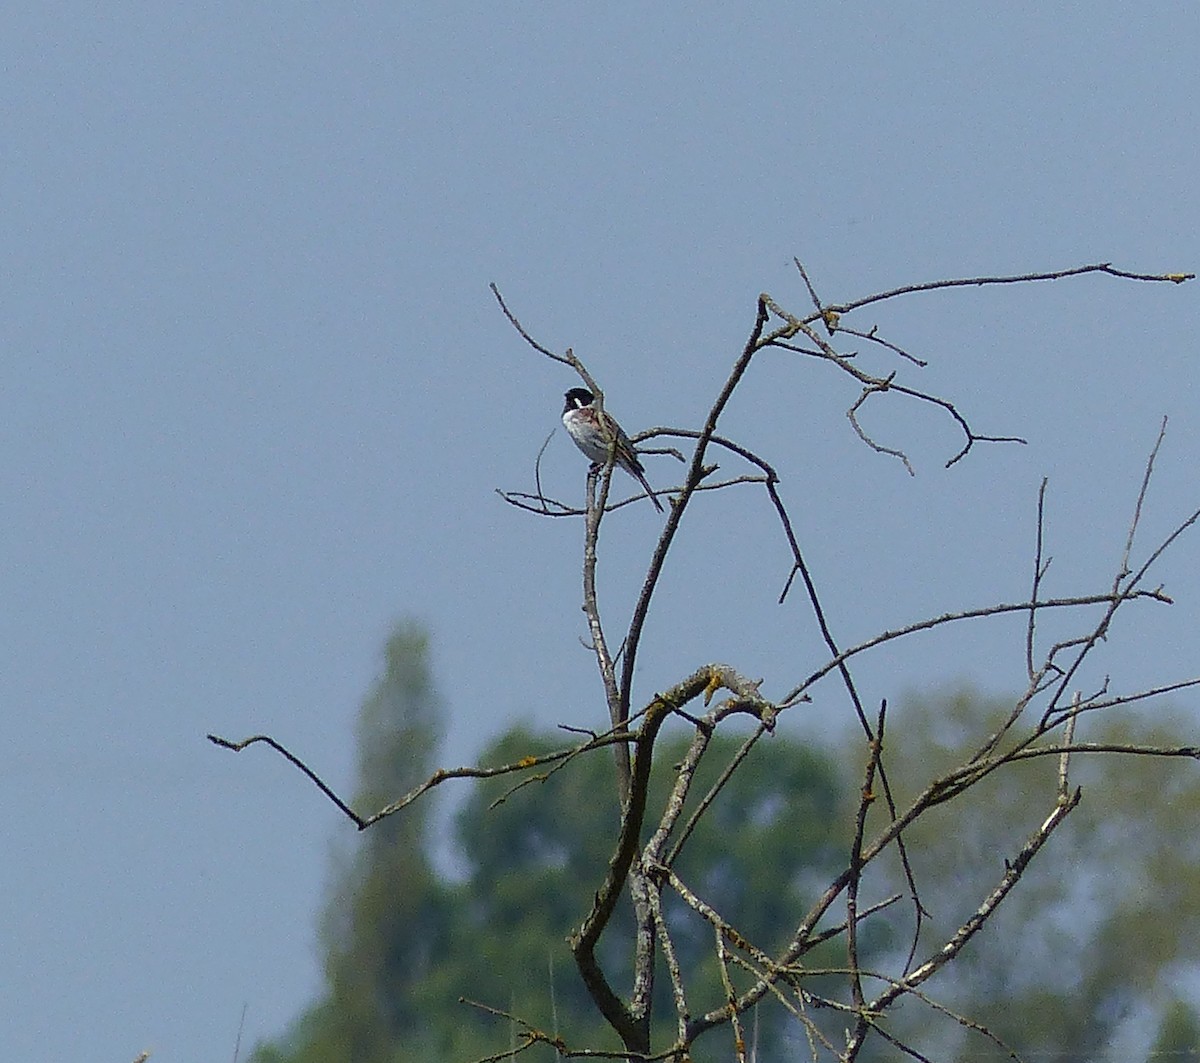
{"x": 582, "y": 422}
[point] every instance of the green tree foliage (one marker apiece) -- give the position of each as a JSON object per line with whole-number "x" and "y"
{"x": 536, "y": 858}
{"x": 404, "y": 944}
{"x": 373, "y": 957}
{"x": 1178, "y": 1039}
{"x": 1103, "y": 919}
{"x": 1100, "y": 923}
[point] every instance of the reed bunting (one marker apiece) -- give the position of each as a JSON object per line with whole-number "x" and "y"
{"x": 583, "y": 425}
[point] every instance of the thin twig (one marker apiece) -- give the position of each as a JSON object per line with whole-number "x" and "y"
{"x": 866, "y": 799}
{"x": 1123, "y": 570}
{"x": 1129, "y": 591}
{"x": 283, "y": 751}
{"x": 871, "y": 336}
{"x": 735, "y": 1022}
{"x": 1064, "y": 760}
{"x": 1039, "y": 572}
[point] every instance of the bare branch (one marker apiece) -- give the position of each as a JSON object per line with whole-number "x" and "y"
{"x": 797, "y": 1010}
{"x": 1064, "y": 760}
{"x": 874, "y": 385}
{"x": 647, "y": 870}
{"x": 525, "y": 501}
{"x": 812, "y": 294}
{"x": 283, "y": 751}
{"x": 531, "y": 1036}
{"x": 1124, "y": 749}
{"x": 674, "y": 972}
{"x": 879, "y": 448}
{"x": 566, "y": 359}
{"x": 1128, "y": 592}
{"x": 681, "y": 789}
{"x": 591, "y": 609}
{"x": 438, "y": 777}
{"x": 840, "y": 928}
{"x": 1039, "y": 572}
{"x": 1012, "y": 874}
{"x": 962, "y": 1020}
{"x": 1022, "y": 278}
{"x": 966, "y": 614}
{"x": 735, "y": 1022}
{"x": 690, "y": 484}
{"x": 1123, "y": 570}
{"x": 866, "y": 799}
{"x": 871, "y": 336}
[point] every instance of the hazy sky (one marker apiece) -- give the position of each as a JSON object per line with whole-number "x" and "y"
{"x": 255, "y": 397}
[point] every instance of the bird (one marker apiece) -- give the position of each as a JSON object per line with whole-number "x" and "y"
{"x": 582, "y": 422}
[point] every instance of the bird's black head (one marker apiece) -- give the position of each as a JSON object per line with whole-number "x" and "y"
{"x": 577, "y": 399}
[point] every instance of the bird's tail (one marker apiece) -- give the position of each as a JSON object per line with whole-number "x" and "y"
{"x": 650, "y": 491}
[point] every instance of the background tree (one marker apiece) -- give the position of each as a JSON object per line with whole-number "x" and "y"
{"x": 1098, "y": 934}
{"x": 387, "y": 914}
{"x": 530, "y": 846}
{"x": 1178, "y": 1033}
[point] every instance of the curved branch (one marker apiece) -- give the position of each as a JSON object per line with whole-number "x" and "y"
{"x": 438, "y": 777}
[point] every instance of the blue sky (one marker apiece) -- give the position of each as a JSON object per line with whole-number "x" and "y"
{"x": 255, "y": 397}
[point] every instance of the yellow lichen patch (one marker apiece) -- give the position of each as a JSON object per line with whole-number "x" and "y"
{"x": 714, "y": 684}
